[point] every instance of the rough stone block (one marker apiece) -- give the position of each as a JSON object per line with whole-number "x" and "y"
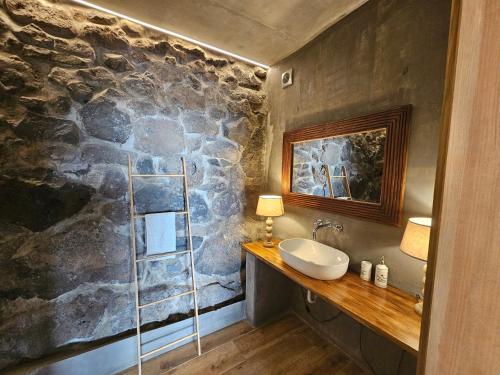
{"x": 185, "y": 54}
{"x": 59, "y": 104}
{"x": 142, "y": 108}
{"x": 186, "y": 97}
{"x": 117, "y": 212}
{"x": 37, "y": 127}
{"x": 101, "y": 18}
{"x": 169, "y": 71}
{"x": 217, "y": 62}
{"x": 247, "y": 79}
{"x": 69, "y": 60}
{"x": 3, "y": 24}
{"x": 197, "y": 122}
{"x": 103, "y": 153}
{"x": 117, "y": 62}
{"x": 161, "y": 137}
{"x": 114, "y": 184}
{"x": 140, "y": 85}
{"x": 151, "y": 46}
{"x": 98, "y": 77}
{"x": 131, "y": 29}
{"x": 260, "y": 73}
{"x": 226, "y": 204}
{"x": 200, "y": 212}
{"x": 37, "y": 205}
{"x": 74, "y": 47}
{"x": 50, "y": 18}
{"x": 32, "y": 34}
{"x": 79, "y": 91}
{"x": 158, "y": 196}
{"x": 238, "y": 131}
{"x": 16, "y": 75}
{"x": 219, "y": 255}
{"x": 103, "y": 120}
{"x": 34, "y": 103}
{"x": 61, "y": 76}
{"x": 105, "y": 36}
{"x": 221, "y": 148}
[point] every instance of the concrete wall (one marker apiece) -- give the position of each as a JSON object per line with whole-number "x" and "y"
{"x": 268, "y": 292}
{"x": 385, "y": 54}
{"x": 79, "y": 91}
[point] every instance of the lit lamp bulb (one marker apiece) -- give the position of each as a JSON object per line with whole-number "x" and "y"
{"x": 270, "y": 206}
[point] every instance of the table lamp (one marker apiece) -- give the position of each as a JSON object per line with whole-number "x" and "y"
{"x": 415, "y": 243}
{"x": 270, "y": 206}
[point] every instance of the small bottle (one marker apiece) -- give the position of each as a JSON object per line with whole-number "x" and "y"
{"x": 381, "y": 274}
{"x": 366, "y": 270}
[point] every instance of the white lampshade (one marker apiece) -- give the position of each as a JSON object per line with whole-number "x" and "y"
{"x": 270, "y": 205}
{"x": 416, "y": 238}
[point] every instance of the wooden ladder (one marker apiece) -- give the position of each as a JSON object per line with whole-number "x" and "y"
{"x": 345, "y": 180}
{"x": 136, "y": 260}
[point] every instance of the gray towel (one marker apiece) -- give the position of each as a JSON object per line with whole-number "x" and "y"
{"x": 160, "y": 233}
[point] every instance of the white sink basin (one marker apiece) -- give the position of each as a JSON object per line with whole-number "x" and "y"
{"x": 314, "y": 259}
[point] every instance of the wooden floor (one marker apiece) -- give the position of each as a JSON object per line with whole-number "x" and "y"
{"x": 286, "y": 346}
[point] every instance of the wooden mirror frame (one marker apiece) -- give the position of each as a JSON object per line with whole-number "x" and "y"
{"x": 396, "y": 121}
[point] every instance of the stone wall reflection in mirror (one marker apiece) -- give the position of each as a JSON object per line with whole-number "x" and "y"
{"x": 343, "y": 167}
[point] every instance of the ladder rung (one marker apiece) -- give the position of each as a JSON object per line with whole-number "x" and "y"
{"x": 169, "y": 345}
{"x": 157, "y": 175}
{"x": 166, "y": 299}
{"x": 139, "y": 216}
{"x": 165, "y": 255}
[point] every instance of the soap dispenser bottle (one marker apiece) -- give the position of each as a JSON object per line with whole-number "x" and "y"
{"x": 381, "y": 274}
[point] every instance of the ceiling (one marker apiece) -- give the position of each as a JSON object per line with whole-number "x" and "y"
{"x": 262, "y": 30}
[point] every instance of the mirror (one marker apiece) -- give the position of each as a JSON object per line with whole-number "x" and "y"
{"x": 344, "y": 167}
{"x": 354, "y": 167}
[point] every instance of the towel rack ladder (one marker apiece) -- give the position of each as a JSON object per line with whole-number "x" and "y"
{"x": 159, "y": 257}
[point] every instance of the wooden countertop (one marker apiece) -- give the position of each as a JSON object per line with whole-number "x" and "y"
{"x": 388, "y": 312}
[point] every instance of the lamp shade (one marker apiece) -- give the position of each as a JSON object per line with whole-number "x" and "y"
{"x": 416, "y": 238}
{"x": 270, "y": 205}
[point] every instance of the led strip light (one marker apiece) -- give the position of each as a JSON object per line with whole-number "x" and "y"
{"x": 171, "y": 33}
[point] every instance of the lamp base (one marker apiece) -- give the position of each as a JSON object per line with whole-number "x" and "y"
{"x": 418, "y": 307}
{"x": 269, "y": 233}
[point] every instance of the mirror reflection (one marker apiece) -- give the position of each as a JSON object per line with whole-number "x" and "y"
{"x": 348, "y": 167}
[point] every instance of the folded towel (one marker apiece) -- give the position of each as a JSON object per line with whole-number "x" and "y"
{"x": 160, "y": 233}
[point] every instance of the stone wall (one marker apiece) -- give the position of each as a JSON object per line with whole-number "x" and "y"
{"x": 79, "y": 92}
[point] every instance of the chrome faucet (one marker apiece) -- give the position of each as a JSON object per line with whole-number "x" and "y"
{"x": 320, "y": 223}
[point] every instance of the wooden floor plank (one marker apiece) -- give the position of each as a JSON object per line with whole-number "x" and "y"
{"x": 266, "y": 335}
{"x": 213, "y": 362}
{"x": 209, "y": 342}
{"x": 285, "y": 346}
{"x": 350, "y": 369}
{"x": 278, "y": 358}
{"x": 225, "y": 335}
{"x": 319, "y": 360}
{"x": 173, "y": 358}
{"x": 330, "y": 361}
{"x": 299, "y": 352}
